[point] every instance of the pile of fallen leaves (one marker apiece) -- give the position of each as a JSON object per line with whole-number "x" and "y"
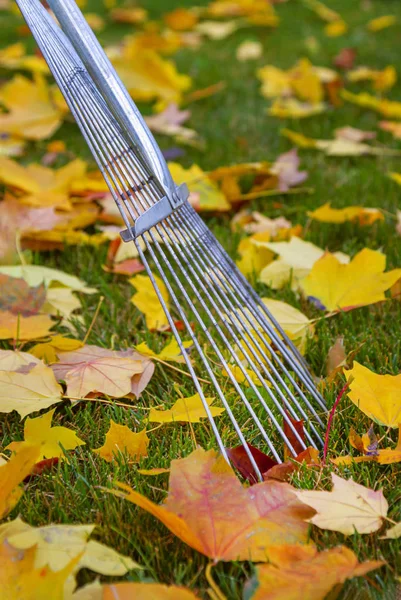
{"x": 58, "y": 200}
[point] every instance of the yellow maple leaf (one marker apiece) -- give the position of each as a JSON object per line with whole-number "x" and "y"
{"x": 52, "y": 440}
{"x": 336, "y": 28}
{"x": 295, "y": 260}
{"x": 17, "y": 327}
{"x": 148, "y": 76}
{"x": 41, "y": 186}
{"x": 378, "y": 396}
{"x": 205, "y": 194}
{"x": 47, "y": 351}
{"x": 368, "y": 445}
{"x": 20, "y": 580}
{"x": 294, "y": 323}
{"x": 382, "y": 80}
{"x": 240, "y": 377}
{"x": 291, "y": 108}
{"x": 275, "y": 82}
{"x": 14, "y": 57}
{"x": 380, "y": 23}
{"x": 334, "y": 286}
{"x": 189, "y": 410}
{"x": 388, "y": 108}
{"x": 147, "y": 301}
{"x": 12, "y": 473}
{"x": 327, "y": 214}
{"x": 170, "y": 353}
{"x": 55, "y": 546}
{"x": 306, "y": 83}
{"x": 28, "y": 392}
{"x": 121, "y": 440}
{"x": 127, "y": 590}
{"x": 34, "y": 112}
{"x": 349, "y": 507}
{"x": 254, "y": 257}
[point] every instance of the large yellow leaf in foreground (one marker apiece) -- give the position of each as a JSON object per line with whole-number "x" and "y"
{"x": 52, "y": 440}
{"x": 378, "y": 396}
{"x": 349, "y": 507}
{"x": 309, "y": 574}
{"x": 28, "y": 392}
{"x": 146, "y": 300}
{"x": 209, "y": 509}
{"x": 12, "y": 473}
{"x": 335, "y": 286}
{"x": 34, "y": 111}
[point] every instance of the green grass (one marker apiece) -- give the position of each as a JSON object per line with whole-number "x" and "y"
{"x": 236, "y": 128}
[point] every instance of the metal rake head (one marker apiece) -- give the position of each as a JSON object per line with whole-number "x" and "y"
{"x": 251, "y": 365}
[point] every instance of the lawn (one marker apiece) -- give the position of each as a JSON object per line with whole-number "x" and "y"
{"x": 236, "y": 128}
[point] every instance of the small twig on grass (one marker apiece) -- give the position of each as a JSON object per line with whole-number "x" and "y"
{"x": 93, "y": 320}
{"x": 166, "y": 364}
{"x": 330, "y": 421}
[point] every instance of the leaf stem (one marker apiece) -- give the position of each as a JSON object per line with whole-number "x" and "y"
{"x": 93, "y": 320}
{"x": 214, "y": 592}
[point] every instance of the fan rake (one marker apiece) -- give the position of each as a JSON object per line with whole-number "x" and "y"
{"x": 266, "y": 381}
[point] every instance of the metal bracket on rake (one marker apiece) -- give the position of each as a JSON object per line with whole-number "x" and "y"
{"x": 156, "y": 213}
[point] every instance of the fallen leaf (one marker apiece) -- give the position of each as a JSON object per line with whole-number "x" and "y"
{"x": 322, "y": 11}
{"x": 170, "y": 122}
{"x": 188, "y": 410}
{"x": 12, "y": 473}
{"x": 336, "y": 356}
{"x": 14, "y": 57}
{"x": 380, "y": 23}
{"x": 48, "y": 351}
{"x": 393, "y": 127}
{"x": 18, "y": 298}
{"x": 20, "y": 580}
{"x": 181, "y": 19}
{"x": 170, "y": 353}
{"x": 36, "y": 274}
{"x": 294, "y": 323}
{"x": 283, "y": 471}
{"x": 339, "y": 146}
{"x": 333, "y": 286}
{"x": 286, "y": 168}
{"x": 144, "y": 591}
{"x": 382, "y": 80}
{"x": 17, "y": 327}
{"x": 349, "y": 507}
{"x": 336, "y": 28}
{"x": 241, "y": 461}
{"x": 52, "y": 440}
{"x": 253, "y": 258}
{"x": 345, "y": 58}
{"x": 308, "y": 574}
{"x": 218, "y": 30}
{"x": 360, "y": 214}
{"x": 388, "y": 108}
{"x": 393, "y": 533}
{"x": 95, "y": 369}
{"x": 368, "y": 445}
{"x": 147, "y": 301}
{"x": 378, "y": 396}
{"x": 146, "y": 75}
{"x": 208, "y": 509}
{"x": 353, "y": 134}
{"x": 292, "y": 438}
{"x": 204, "y": 194}
{"x": 28, "y": 392}
{"x": 34, "y": 112}
{"x": 255, "y": 222}
{"x": 296, "y": 259}
{"x": 291, "y": 108}
{"x": 153, "y": 472}
{"x": 54, "y": 546}
{"x": 121, "y": 440}
{"x": 132, "y": 14}
{"x": 12, "y": 360}
{"x": 249, "y": 50}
